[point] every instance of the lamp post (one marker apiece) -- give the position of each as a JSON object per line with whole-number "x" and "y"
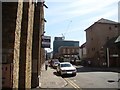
{"x": 108, "y": 58}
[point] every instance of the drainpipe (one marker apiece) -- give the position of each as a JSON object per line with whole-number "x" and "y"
{"x": 108, "y": 58}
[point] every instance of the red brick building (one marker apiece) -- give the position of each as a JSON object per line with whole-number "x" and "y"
{"x": 69, "y": 52}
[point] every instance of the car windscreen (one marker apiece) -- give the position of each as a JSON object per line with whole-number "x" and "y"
{"x": 65, "y": 65}
{"x": 56, "y": 62}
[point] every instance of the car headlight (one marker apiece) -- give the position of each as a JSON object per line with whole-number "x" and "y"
{"x": 75, "y": 70}
{"x": 63, "y": 70}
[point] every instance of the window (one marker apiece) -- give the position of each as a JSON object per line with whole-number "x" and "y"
{"x": 77, "y": 50}
{"x": 115, "y": 26}
{"x": 65, "y": 65}
{"x": 93, "y": 49}
{"x": 68, "y": 51}
{"x": 73, "y": 50}
{"x": 63, "y": 51}
{"x": 110, "y": 28}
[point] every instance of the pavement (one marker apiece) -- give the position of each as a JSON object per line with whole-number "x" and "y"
{"x": 50, "y": 79}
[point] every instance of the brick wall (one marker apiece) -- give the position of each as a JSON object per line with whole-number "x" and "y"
{"x": 96, "y": 36}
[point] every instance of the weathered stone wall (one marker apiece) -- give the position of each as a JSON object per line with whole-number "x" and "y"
{"x": 41, "y": 50}
{"x": 29, "y": 46}
{"x": 9, "y": 15}
{"x": 23, "y": 40}
{"x": 23, "y": 26}
{"x": 17, "y": 44}
{"x": 38, "y": 52}
{"x": 35, "y": 50}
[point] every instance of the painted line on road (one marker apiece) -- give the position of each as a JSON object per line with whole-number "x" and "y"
{"x": 73, "y": 84}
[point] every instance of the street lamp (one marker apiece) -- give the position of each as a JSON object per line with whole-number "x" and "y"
{"x": 108, "y": 58}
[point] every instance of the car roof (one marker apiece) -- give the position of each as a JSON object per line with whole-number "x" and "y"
{"x": 65, "y": 63}
{"x": 55, "y": 60}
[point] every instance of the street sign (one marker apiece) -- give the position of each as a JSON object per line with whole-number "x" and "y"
{"x": 114, "y": 55}
{"x": 46, "y": 40}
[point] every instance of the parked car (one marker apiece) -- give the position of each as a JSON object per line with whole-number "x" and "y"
{"x": 66, "y": 68}
{"x": 55, "y": 63}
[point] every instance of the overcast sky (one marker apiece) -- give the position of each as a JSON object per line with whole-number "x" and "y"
{"x": 72, "y": 17}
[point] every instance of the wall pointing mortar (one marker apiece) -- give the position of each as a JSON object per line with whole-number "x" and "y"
{"x": 17, "y": 44}
{"x": 29, "y": 46}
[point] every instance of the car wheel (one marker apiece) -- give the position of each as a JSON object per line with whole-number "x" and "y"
{"x": 57, "y": 71}
{"x": 60, "y": 73}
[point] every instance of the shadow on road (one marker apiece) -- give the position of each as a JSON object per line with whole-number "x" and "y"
{"x": 97, "y": 69}
{"x": 63, "y": 76}
{"x": 57, "y": 74}
{"x": 111, "y": 81}
{"x": 67, "y": 76}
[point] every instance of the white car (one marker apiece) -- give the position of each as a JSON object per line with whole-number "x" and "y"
{"x": 66, "y": 68}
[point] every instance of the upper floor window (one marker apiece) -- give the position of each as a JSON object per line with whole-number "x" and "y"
{"x": 93, "y": 49}
{"x": 73, "y": 50}
{"x": 115, "y": 26}
{"x": 64, "y": 51}
{"x": 110, "y": 28}
{"x": 68, "y": 51}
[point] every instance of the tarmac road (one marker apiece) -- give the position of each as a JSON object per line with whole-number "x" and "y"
{"x": 91, "y": 78}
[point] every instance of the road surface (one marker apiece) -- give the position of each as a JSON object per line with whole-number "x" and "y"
{"x": 87, "y": 78}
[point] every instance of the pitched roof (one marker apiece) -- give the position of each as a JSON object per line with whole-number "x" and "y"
{"x": 118, "y": 39}
{"x": 83, "y": 45}
{"x": 102, "y": 20}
